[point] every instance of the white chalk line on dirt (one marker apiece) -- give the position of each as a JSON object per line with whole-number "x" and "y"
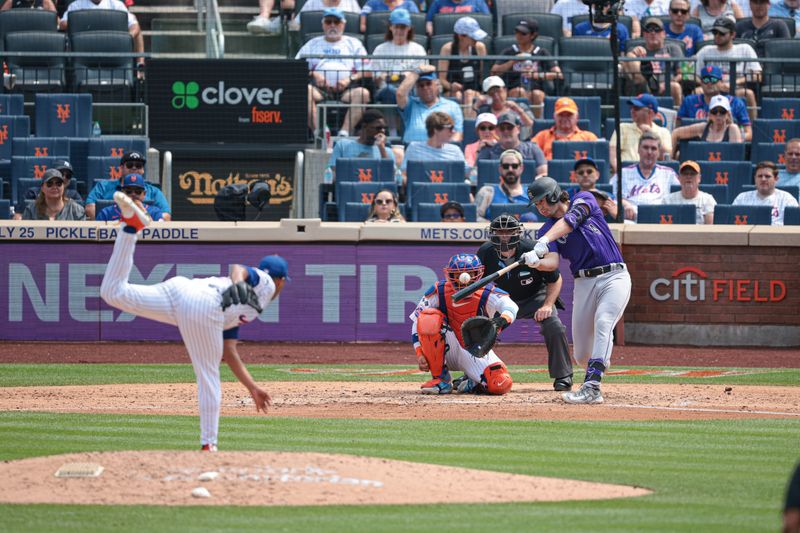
{"x": 700, "y": 409}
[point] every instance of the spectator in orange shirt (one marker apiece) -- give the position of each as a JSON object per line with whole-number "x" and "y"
{"x": 566, "y": 128}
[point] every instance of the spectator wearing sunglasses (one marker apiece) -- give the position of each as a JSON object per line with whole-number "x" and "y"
{"x": 486, "y": 128}
{"x": 690, "y": 34}
{"x": 52, "y": 203}
{"x": 510, "y": 190}
{"x": 370, "y": 144}
{"x": 718, "y": 128}
{"x": 415, "y": 109}
{"x": 697, "y": 105}
{"x": 508, "y": 130}
{"x": 385, "y": 208}
{"x": 437, "y": 148}
{"x": 452, "y": 212}
{"x": 32, "y": 193}
{"x": 134, "y": 186}
{"x": 130, "y": 163}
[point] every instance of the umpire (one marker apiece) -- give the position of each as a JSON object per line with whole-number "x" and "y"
{"x": 535, "y": 292}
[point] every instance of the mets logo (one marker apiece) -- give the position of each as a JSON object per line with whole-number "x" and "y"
{"x": 581, "y": 154}
{"x": 778, "y": 136}
{"x": 40, "y": 151}
{"x": 114, "y": 173}
{"x": 437, "y": 176}
{"x": 38, "y": 171}
{"x": 787, "y": 114}
{"x": 715, "y": 156}
{"x": 4, "y": 134}
{"x": 367, "y": 197}
{"x": 721, "y": 177}
{"x": 63, "y": 112}
{"x": 740, "y": 220}
{"x": 117, "y": 152}
{"x": 440, "y": 198}
{"x": 665, "y": 219}
{"x": 364, "y": 174}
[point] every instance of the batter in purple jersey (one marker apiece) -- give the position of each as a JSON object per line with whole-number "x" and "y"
{"x": 578, "y": 231}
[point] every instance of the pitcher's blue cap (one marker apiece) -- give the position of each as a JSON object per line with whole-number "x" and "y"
{"x": 276, "y": 266}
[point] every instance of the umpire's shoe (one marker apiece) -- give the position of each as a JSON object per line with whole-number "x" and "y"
{"x": 437, "y": 386}
{"x": 131, "y": 214}
{"x": 563, "y": 384}
{"x": 586, "y": 394}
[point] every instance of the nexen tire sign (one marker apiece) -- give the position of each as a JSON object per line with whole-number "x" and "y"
{"x": 690, "y": 284}
{"x": 230, "y": 101}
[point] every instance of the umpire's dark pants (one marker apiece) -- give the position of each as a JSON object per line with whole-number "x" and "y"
{"x": 554, "y": 332}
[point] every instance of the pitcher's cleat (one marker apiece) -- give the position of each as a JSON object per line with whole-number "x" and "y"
{"x": 131, "y": 214}
{"x": 208, "y": 448}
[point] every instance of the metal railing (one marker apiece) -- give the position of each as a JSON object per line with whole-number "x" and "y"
{"x": 209, "y": 21}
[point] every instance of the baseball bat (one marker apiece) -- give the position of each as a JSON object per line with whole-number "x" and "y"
{"x": 469, "y": 289}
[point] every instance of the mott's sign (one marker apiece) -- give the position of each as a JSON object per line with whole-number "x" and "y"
{"x": 691, "y": 284}
{"x": 188, "y": 95}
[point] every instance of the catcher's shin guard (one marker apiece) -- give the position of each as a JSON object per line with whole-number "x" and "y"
{"x": 497, "y": 379}
{"x": 431, "y": 340}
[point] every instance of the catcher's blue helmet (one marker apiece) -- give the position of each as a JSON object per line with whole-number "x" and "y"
{"x": 460, "y": 263}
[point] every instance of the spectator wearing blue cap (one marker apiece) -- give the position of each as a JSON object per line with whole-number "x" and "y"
{"x": 399, "y": 41}
{"x": 336, "y": 76}
{"x": 460, "y": 77}
{"x": 643, "y": 109}
{"x": 415, "y": 109}
{"x": 696, "y": 105}
{"x": 347, "y": 6}
{"x": 134, "y": 186}
{"x": 378, "y": 6}
{"x": 462, "y": 7}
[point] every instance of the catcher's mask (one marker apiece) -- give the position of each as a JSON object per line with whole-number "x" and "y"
{"x": 461, "y": 263}
{"x": 543, "y": 187}
{"x": 511, "y": 232}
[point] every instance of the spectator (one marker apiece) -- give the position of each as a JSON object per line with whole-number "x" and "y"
{"x": 649, "y": 76}
{"x": 347, "y": 6}
{"x": 385, "y": 208}
{"x": 641, "y": 9}
{"x": 399, "y": 41}
{"x": 786, "y": 8}
{"x": 525, "y": 76}
{"x": 416, "y": 109}
{"x": 690, "y": 34}
{"x": 378, "y": 6}
{"x": 439, "y": 127}
{"x": 791, "y": 507}
{"x": 262, "y": 24}
{"x": 46, "y": 5}
{"x": 602, "y": 29}
{"x": 332, "y": 77}
{"x": 454, "y": 6}
{"x": 52, "y": 203}
{"x": 709, "y": 11}
{"x": 452, "y": 212}
{"x": 496, "y": 101}
{"x": 508, "y": 127}
{"x": 766, "y": 193}
{"x": 568, "y": 9}
{"x": 718, "y": 128}
{"x": 587, "y": 174}
{"x": 723, "y": 51}
{"x": 460, "y": 78}
{"x": 791, "y": 155}
{"x": 509, "y": 191}
{"x": 486, "y": 127}
{"x": 643, "y": 109}
{"x": 116, "y": 5}
{"x": 696, "y": 105}
{"x": 646, "y": 182}
{"x": 32, "y": 193}
{"x": 133, "y": 186}
{"x": 566, "y": 128}
{"x": 371, "y": 141}
{"x": 130, "y": 163}
{"x": 690, "y": 193}
{"x": 760, "y": 28}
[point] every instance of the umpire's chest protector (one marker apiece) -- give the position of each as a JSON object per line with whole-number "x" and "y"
{"x": 457, "y": 313}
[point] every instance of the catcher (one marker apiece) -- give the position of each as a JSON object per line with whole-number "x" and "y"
{"x": 460, "y": 336}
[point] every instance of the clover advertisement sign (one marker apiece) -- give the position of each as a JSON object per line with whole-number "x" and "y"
{"x": 230, "y": 101}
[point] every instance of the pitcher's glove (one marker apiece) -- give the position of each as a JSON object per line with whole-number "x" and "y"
{"x": 479, "y": 334}
{"x": 240, "y": 293}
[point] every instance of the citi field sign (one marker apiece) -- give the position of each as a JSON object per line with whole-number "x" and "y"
{"x": 690, "y": 284}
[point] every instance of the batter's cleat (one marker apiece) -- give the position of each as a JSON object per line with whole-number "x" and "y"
{"x": 131, "y": 214}
{"x": 208, "y": 448}
{"x": 563, "y": 384}
{"x": 464, "y": 385}
{"x": 586, "y": 394}
{"x": 437, "y": 386}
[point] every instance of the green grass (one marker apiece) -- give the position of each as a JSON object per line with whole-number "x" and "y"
{"x": 707, "y": 475}
{"x": 18, "y": 375}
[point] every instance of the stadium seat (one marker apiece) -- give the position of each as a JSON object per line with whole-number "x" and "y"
{"x": 791, "y": 216}
{"x": 311, "y": 24}
{"x": 783, "y": 108}
{"x": 11, "y": 127}
{"x": 734, "y": 174}
{"x": 354, "y": 212}
{"x": 28, "y": 167}
{"x": 89, "y": 20}
{"x": 590, "y": 74}
{"x": 562, "y": 170}
{"x": 102, "y": 204}
{"x": 520, "y": 211}
{"x": 550, "y": 24}
{"x": 32, "y": 20}
{"x": 435, "y": 171}
{"x": 775, "y": 130}
{"x": 436, "y": 193}
{"x": 609, "y": 125}
{"x": 361, "y": 169}
{"x": 768, "y": 152}
{"x": 743, "y": 214}
{"x": 711, "y": 151}
{"x": 489, "y": 171}
{"x": 781, "y": 78}
{"x": 718, "y": 191}
{"x": 580, "y": 149}
{"x": 378, "y": 22}
{"x": 358, "y": 192}
{"x": 64, "y": 115}
{"x": 43, "y": 72}
{"x": 431, "y": 212}
{"x": 12, "y": 104}
{"x": 5, "y": 209}
{"x": 109, "y": 79}
{"x": 116, "y": 145}
{"x": 40, "y": 146}
{"x": 588, "y": 109}
{"x": 667, "y": 214}
{"x": 102, "y": 168}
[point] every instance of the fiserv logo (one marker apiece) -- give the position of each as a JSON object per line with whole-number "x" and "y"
{"x": 185, "y": 95}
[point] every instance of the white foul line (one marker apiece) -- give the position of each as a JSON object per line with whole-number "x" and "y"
{"x": 702, "y": 410}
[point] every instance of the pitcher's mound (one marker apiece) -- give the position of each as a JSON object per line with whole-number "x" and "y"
{"x": 273, "y": 478}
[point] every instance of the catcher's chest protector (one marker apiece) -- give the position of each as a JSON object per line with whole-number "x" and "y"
{"x": 431, "y": 340}
{"x": 472, "y": 305}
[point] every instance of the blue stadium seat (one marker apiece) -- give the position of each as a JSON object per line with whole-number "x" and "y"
{"x": 588, "y": 109}
{"x": 102, "y": 204}
{"x": 718, "y": 191}
{"x": 78, "y": 152}
{"x": 437, "y": 193}
{"x": 667, "y": 214}
{"x": 767, "y": 152}
{"x": 12, "y": 104}
{"x": 489, "y": 171}
{"x": 435, "y": 171}
{"x": 362, "y": 169}
{"x": 63, "y": 115}
{"x": 743, "y": 214}
{"x": 775, "y": 130}
{"x": 117, "y": 145}
{"x": 354, "y": 212}
{"x": 28, "y": 167}
{"x": 521, "y": 211}
{"x": 40, "y": 146}
{"x": 791, "y": 216}
{"x": 2, "y": 188}
{"x": 430, "y": 212}
{"x": 608, "y": 125}
{"x": 5, "y": 209}
{"x": 562, "y": 170}
{"x": 794, "y": 190}
{"x": 470, "y": 135}
{"x": 359, "y": 192}
{"x": 710, "y": 151}
{"x": 579, "y": 149}
{"x": 102, "y": 168}
{"x": 544, "y": 123}
{"x": 784, "y": 108}
{"x": 734, "y": 174}
{"x": 12, "y": 126}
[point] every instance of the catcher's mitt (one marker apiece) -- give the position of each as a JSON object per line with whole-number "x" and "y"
{"x": 240, "y": 293}
{"x": 479, "y": 334}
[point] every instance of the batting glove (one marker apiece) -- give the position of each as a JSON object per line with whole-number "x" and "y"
{"x": 531, "y": 259}
{"x": 541, "y": 247}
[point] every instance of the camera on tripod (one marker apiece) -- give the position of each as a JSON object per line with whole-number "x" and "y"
{"x": 603, "y": 10}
